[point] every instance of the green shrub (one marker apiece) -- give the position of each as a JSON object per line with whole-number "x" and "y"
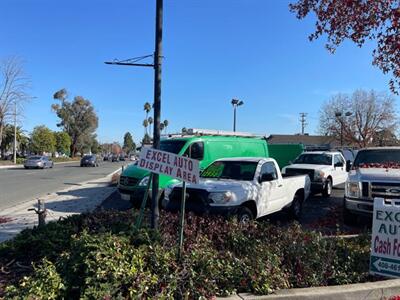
{"x": 45, "y": 283}
{"x": 101, "y": 256}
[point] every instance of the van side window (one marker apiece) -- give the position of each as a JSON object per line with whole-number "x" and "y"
{"x": 195, "y": 151}
{"x": 269, "y": 168}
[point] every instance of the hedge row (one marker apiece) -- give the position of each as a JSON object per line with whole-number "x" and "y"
{"x": 101, "y": 256}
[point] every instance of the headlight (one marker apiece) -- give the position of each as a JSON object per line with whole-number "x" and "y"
{"x": 353, "y": 189}
{"x": 221, "y": 197}
{"x": 144, "y": 181}
{"x": 319, "y": 175}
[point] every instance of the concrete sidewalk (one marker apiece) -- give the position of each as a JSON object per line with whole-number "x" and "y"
{"x": 76, "y": 199}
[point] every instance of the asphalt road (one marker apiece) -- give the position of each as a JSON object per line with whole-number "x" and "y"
{"x": 19, "y": 185}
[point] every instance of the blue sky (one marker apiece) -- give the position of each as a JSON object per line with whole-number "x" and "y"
{"x": 254, "y": 50}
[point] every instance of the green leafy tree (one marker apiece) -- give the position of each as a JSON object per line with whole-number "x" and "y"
{"x": 78, "y": 119}
{"x": 63, "y": 142}
{"x": 95, "y": 148}
{"x": 129, "y": 144}
{"x": 42, "y": 140}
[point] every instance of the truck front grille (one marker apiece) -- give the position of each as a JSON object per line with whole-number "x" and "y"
{"x": 387, "y": 190}
{"x": 128, "y": 181}
{"x": 193, "y": 196}
{"x": 365, "y": 189}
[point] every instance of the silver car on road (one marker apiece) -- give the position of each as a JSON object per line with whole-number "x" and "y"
{"x": 39, "y": 162}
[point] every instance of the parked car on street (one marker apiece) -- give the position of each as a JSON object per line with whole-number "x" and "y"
{"x": 114, "y": 158}
{"x": 247, "y": 187}
{"x": 89, "y": 161}
{"x": 325, "y": 169}
{"x": 122, "y": 157}
{"x": 375, "y": 174}
{"x": 38, "y": 162}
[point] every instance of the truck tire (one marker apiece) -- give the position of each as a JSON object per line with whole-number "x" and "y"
{"x": 244, "y": 215}
{"x": 348, "y": 217}
{"x": 327, "y": 188}
{"x": 296, "y": 208}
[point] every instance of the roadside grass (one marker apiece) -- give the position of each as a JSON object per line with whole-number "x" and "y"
{"x": 102, "y": 256}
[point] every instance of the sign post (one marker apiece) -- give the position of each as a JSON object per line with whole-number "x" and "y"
{"x": 144, "y": 201}
{"x": 182, "y": 221}
{"x": 175, "y": 166}
{"x": 385, "y": 240}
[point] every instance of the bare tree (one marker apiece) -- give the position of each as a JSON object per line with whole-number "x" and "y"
{"x": 14, "y": 86}
{"x": 359, "y": 119}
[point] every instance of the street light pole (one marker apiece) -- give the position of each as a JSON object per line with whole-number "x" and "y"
{"x": 339, "y": 116}
{"x": 235, "y": 104}
{"x": 15, "y": 133}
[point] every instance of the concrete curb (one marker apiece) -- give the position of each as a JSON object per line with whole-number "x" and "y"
{"x": 21, "y": 166}
{"x": 366, "y": 291}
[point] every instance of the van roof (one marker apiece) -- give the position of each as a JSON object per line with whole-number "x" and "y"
{"x": 209, "y": 137}
{"x": 197, "y": 132}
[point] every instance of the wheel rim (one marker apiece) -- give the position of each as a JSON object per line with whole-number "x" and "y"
{"x": 245, "y": 218}
{"x": 329, "y": 187}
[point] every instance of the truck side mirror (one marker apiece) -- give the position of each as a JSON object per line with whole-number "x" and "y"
{"x": 348, "y": 165}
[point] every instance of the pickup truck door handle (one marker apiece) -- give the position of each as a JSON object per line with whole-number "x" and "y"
{"x": 280, "y": 185}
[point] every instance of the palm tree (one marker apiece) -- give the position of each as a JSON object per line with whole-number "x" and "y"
{"x": 165, "y": 124}
{"x": 150, "y": 121}
{"x": 145, "y": 124}
{"x": 147, "y": 108}
{"x": 162, "y": 127}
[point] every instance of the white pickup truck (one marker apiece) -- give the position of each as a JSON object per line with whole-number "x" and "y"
{"x": 325, "y": 168}
{"x": 247, "y": 187}
{"x": 375, "y": 174}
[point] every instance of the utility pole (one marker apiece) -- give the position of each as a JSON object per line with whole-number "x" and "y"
{"x": 155, "y": 213}
{"x": 157, "y": 56}
{"x": 15, "y": 133}
{"x": 303, "y": 122}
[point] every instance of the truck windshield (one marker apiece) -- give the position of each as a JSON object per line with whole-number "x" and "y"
{"x": 383, "y": 158}
{"x": 173, "y": 146}
{"x": 314, "y": 159}
{"x": 238, "y": 170}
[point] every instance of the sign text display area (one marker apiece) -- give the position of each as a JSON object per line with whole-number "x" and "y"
{"x": 385, "y": 243}
{"x": 176, "y": 166}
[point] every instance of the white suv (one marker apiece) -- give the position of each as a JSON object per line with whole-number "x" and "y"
{"x": 325, "y": 169}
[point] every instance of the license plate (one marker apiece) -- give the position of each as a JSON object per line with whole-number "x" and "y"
{"x": 125, "y": 197}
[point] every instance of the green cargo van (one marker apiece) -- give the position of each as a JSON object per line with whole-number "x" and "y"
{"x": 205, "y": 148}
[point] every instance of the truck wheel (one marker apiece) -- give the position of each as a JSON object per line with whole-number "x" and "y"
{"x": 296, "y": 208}
{"x": 244, "y": 215}
{"x": 327, "y": 188}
